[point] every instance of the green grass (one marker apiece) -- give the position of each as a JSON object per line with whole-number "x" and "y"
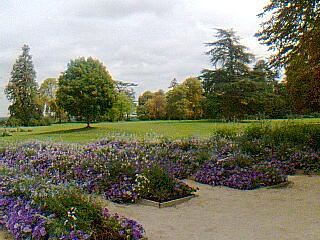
{"x": 77, "y": 133}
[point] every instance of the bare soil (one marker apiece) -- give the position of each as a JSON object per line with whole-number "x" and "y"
{"x": 223, "y": 213}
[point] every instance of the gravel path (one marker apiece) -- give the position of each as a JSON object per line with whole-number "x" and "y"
{"x": 223, "y": 213}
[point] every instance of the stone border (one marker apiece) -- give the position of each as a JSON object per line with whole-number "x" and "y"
{"x": 166, "y": 203}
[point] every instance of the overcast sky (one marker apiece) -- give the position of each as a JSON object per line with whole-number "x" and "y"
{"x": 147, "y": 42}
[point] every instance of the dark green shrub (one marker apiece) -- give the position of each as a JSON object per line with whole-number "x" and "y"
{"x": 13, "y": 122}
{"x": 160, "y": 186}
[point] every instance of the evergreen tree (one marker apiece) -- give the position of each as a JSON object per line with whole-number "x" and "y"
{"x": 22, "y": 90}
{"x": 173, "y": 83}
{"x": 227, "y": 53}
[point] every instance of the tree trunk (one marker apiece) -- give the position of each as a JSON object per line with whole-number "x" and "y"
{"x": 88, "y": 121}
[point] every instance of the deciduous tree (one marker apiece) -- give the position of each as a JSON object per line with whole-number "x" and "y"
{"x": 86, "y": 89}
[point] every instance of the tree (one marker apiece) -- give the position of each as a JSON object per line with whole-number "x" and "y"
{"x": 156, "y": 106}
{"x": 303, "y": 75}
{"x": 173, "y": 83}
{"x": 126, "y": 87}
{"x": 223, "y": 85}
{"x": 22, "y": 90}
{"x": 47, "y": 93}
{"x": 290, "y": 22}
{"x": 86, "y": 89}
{"x": 293, "y": 33}
{"x": 177, "y": 103}
{"x": 227, "y": 53}
{"x": 122, "y": 108}
{"x": 141, "y": 109}
{"x": 195, "y": 97}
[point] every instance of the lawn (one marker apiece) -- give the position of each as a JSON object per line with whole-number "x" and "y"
{"x": 77, "y": 133}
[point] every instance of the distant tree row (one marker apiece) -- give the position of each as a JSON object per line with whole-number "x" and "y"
{"x": 230, "y": 91}
{"x": 85, "y": 91}
{"x": 182, "y": 101}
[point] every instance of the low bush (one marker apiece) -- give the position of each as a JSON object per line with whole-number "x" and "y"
{"x": 158, "y": 185}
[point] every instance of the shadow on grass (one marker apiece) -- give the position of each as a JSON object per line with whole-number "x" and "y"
{"x": 75, "y": 130}
{"x": 198, "y": 121}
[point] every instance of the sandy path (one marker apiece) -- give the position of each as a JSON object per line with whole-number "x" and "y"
{"x": 223, "y": 213}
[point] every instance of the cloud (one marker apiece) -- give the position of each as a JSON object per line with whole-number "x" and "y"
{"x": 122, "y": 8}
{"x": 143, "y": 41}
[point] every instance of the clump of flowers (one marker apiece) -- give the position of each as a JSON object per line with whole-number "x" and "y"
{"x": 59, "y": 212}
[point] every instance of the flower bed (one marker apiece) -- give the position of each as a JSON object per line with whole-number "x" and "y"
{"x": 126, "y": 171}
{"x": 32, "y": 208}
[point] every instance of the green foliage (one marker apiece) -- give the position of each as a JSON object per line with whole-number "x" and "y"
{"x": 121, "y": 110}
{"x": 238, "y": 160}
{"x": 177, "y": 103}
{"x": 290, "y": 22}
{"x": 235, "y": 91}
{"x": 160, "y": 186}
{"x": 152, "y": 105}
{"x": 22, "y": 90}
{"x": 72, "y": 210}
{"x": 227, "y": 53}
{"x": 5, "y": 133}
{"x": 86, "y": 89}
{"x": 302, "y": 74}
{"x": 293, "y": 32}
{"x": 286, "y": 135}
{"x": 182, "y": 101}
{"x": 141, "y": 109}
{"x": 48, "y": 100}
{"x": 195, "y": 98}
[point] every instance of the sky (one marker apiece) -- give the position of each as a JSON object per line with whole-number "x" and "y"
{"x": 146, "y": 42}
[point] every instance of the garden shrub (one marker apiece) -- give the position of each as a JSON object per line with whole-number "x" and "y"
{"x": 158, "y": 185}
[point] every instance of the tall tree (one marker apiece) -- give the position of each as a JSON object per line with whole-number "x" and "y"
{"x": 173, "y": 83}
{"x": 22, "y": 90}
{"x": 141, "y": 109}
{"x": 86, "y": 89}
{"x": 290, "y": 21}
{"x": 177, "y": 103}
{"x": 156, "y": 106}
{"x": 230, "y": 60}
{"x": 227, "y": 53}
{"x": 122, "y": 108}
{"x": 195, "y": 97}
{"x": 293, "y": 34}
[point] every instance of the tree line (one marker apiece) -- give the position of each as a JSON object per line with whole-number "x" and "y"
{"x": 231, "y": 90}
{"x": 85, "y": 92}
{"x": 237, "y": 85}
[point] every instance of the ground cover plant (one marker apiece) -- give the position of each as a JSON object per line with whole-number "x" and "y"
{"x": 34, "y": 208}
